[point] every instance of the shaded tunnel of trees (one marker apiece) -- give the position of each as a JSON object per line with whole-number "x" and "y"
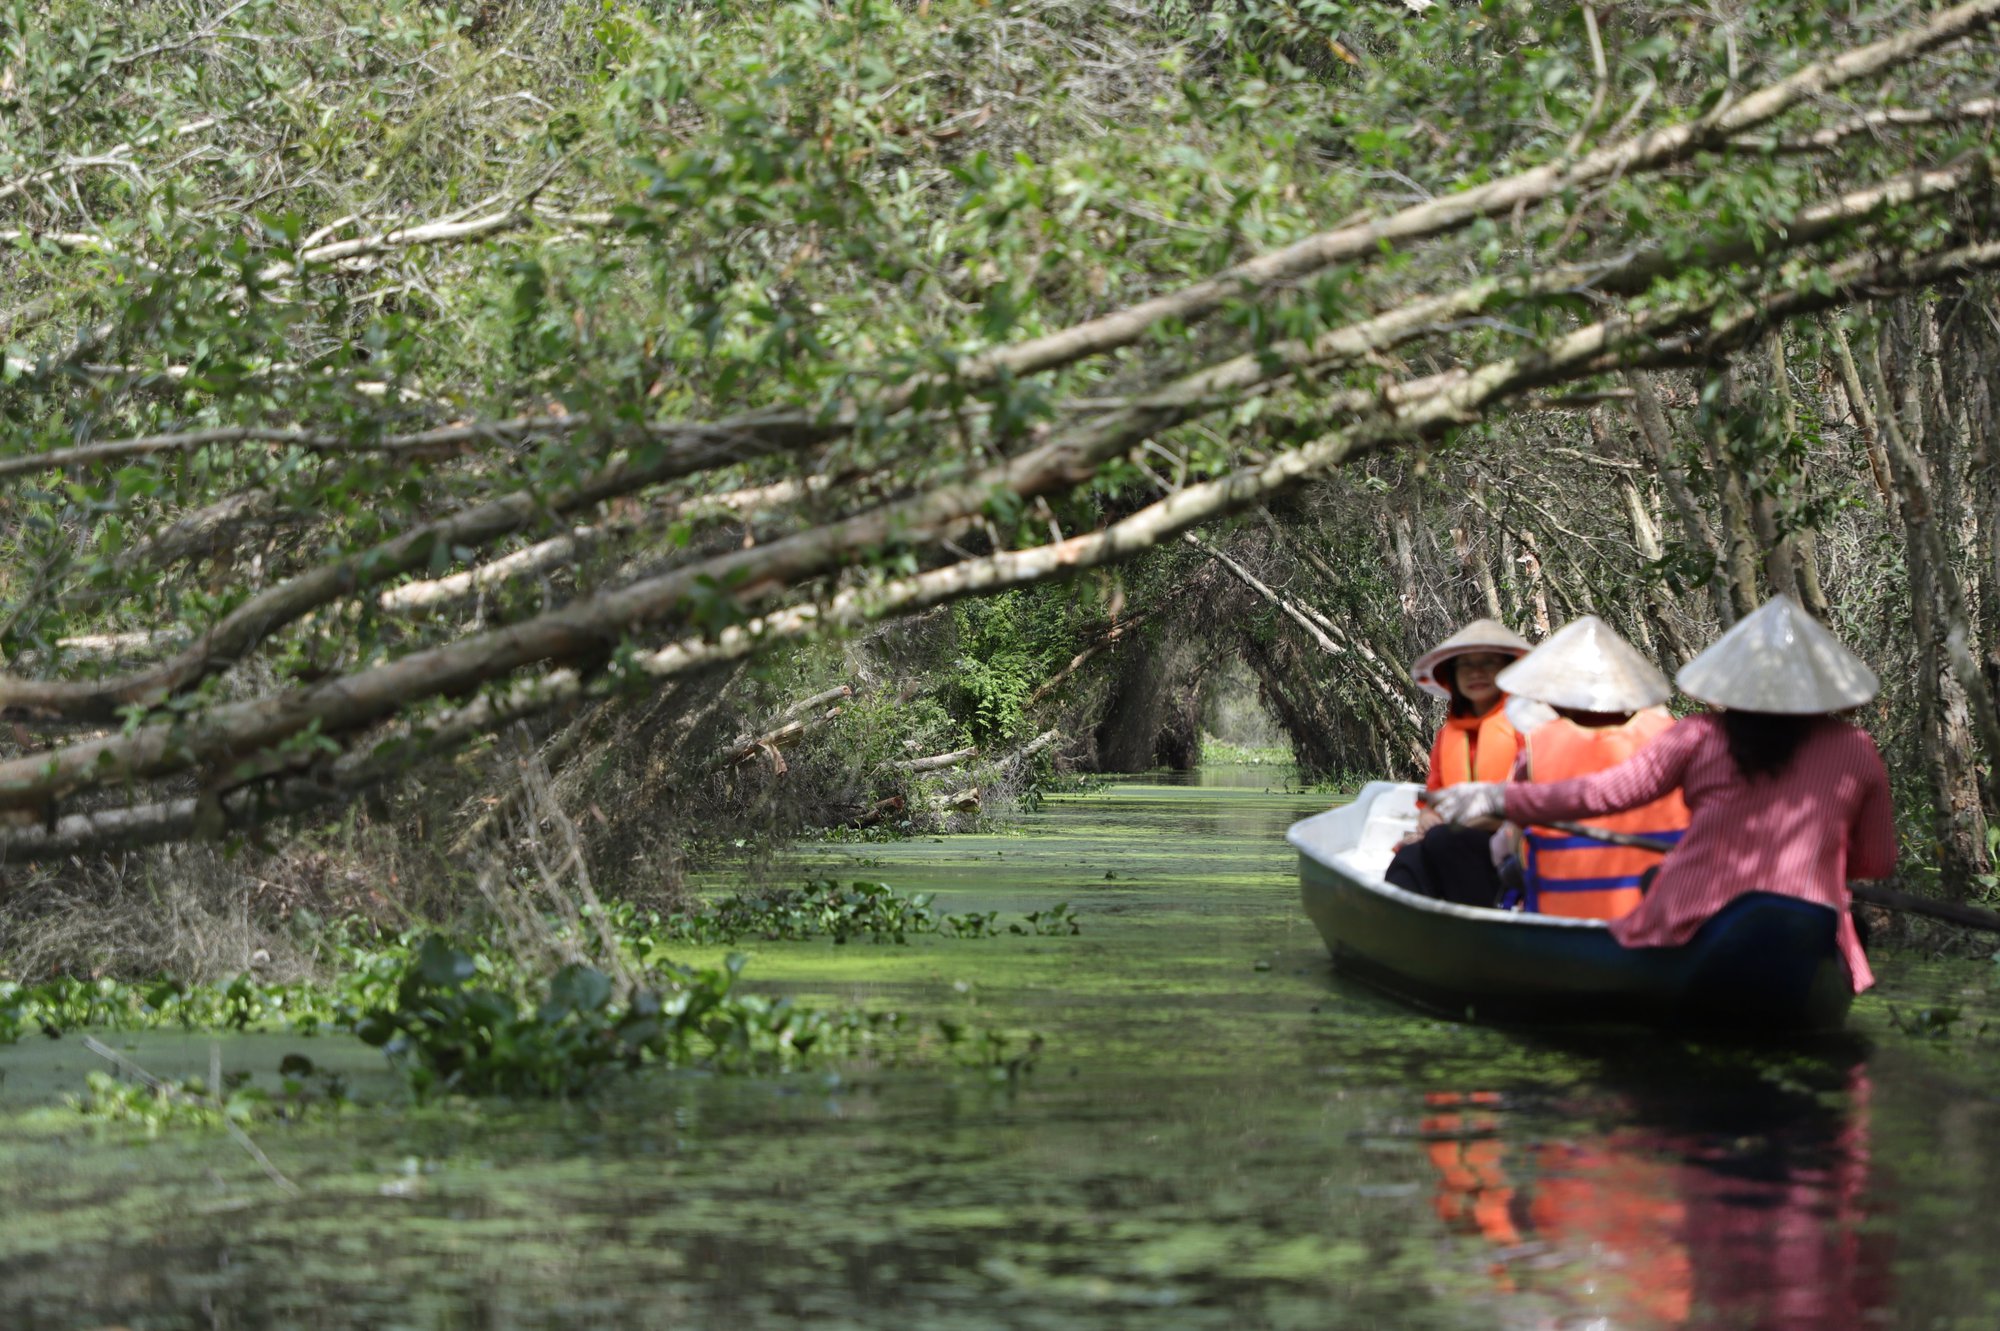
{"x": 690, "y": 431}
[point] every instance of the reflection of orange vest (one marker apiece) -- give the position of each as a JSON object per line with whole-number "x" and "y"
{"x": 1623, "y": 1208}
{"x": 1611, "y": 1207}
{"x": 1577, "y": 876}
{"x": 1452, "y": 754}
{"x": 1474, "y": 1194}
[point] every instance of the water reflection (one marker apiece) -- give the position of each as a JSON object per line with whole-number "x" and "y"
{"x": 1702, "y": 1205}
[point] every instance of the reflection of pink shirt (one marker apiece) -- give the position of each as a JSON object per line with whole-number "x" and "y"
{"x": 1803, "y": 833}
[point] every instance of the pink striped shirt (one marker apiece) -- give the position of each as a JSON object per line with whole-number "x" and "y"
{"x": 1803, "y": 833}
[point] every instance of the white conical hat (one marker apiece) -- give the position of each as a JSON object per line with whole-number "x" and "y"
{"x": 1586, "y": 666}
{"x": 1779, "y": 659}
{"x": 1481, "y": 635}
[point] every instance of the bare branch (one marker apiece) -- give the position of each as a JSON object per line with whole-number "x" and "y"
{"x": 1644, "y": 152}
{"x": 239, "y": 631}
{"x": 1874, "y": 122}
{"x": 118, "y": 155}
{"x": 1420, "y": 410}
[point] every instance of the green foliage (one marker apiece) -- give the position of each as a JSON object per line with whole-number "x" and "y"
{"x": 696, "y": 211}
{"x": 825, "y": 908}
{"x": 881, "y": 729}
{"x": 452, "y": 1034}
{"x": 469, "y": 1021}
{"x": 1056, "y": 919}
{"x": 165, "y": 1102}
{"x": 1931, "y": 1023}
{"x": 1222, "y": 753}
{"x": 1007, "y": 645}
{"x": 242, "y": 1002}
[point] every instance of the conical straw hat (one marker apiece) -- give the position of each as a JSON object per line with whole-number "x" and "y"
{"x": 1481, "y": 635}
{"x": 1779, "y": 659}
{"x": 1586, "y": 666}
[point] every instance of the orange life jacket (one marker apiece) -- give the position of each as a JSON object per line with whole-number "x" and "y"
{"x": 1577, "y": 876}
{"x": 1456, "y": 758}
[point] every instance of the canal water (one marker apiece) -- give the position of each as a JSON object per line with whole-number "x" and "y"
{"x": 1217, "y": 1132}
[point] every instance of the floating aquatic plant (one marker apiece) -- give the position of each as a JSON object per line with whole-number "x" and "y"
{"x": 825, "y": 907}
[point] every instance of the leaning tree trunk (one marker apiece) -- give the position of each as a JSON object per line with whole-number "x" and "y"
{"x": 1656, "y": 619}
{"x": 1652, "y": 423}
{"x": 1801, "y": 545}
{"x": 1938, "y": 618}
{"x": 1739, "y": 540}
{"x": 1319, "y": 734}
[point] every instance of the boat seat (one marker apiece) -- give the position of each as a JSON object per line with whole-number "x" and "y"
{"x": 1391, "y": 817}
{"x": 1372, "y": 865}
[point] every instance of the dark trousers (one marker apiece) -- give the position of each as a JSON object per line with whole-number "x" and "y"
{"x": 1451, "y": 863}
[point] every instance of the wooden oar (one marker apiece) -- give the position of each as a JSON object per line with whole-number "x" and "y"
{"x": 1972, "y": 917}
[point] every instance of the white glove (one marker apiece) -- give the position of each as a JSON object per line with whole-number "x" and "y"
{"x": 1469, "y": 801}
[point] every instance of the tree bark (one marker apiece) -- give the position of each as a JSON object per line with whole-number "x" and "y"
{"x": 1805, "y": 540}
{"x": 1531, "y": 571}
{"x": 1938, "y": 617}
{"x": 1652, "y": 422}
{"x": 1739, "y": 539}
{"x": 1658, "y": 611}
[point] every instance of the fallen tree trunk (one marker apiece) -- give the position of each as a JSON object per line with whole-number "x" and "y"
{"x": 787, "y": 728}
{"x": 1318, "y": 627}
{"x": 938, "y": 762}
{"x": 1034, "y": 746}
{"x": 1104, "y": 642}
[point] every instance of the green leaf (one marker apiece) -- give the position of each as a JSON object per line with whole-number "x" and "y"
{"x": 442, "y": 966}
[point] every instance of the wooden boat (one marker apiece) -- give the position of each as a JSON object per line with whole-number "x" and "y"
{"x": 1765, "y": 963}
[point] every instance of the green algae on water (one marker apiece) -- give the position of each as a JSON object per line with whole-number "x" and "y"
{"x": 1203, "y": 1144}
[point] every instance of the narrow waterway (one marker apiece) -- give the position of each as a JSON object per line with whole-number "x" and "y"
{"x": 1218, "y": 1133}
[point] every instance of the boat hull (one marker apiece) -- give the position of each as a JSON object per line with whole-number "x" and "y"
{"x": 1764, "y": 963}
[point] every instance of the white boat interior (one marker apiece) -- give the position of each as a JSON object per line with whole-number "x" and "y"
{"x": 1360, "y": 838}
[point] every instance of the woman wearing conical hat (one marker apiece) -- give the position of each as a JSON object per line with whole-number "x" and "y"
{"x": 1784, "y": 796}
{"x": 1605, "y": 699}
{"x": 1476, "y": 743}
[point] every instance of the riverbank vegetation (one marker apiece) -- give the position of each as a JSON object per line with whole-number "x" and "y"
{"x": 463, "y": 463}
{"x": 540, "y": 1010}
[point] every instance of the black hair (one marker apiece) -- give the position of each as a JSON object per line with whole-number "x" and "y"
{"x": 1593, "y": 720}
{"x": 1764, "y": 743}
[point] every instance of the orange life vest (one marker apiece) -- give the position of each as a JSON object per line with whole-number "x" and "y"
{"x": 1577, "y": 876}
{"x": 1456, "y": 758}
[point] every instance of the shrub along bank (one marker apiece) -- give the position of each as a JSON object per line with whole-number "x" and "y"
{"x": 463, "y": 1018}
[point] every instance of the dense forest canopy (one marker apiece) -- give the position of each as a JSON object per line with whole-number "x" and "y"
{"x": 383, "y": 377}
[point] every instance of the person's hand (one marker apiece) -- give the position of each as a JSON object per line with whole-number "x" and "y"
{"x": 1470, "y": 801}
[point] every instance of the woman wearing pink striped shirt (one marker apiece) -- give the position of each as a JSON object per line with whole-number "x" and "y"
{"x": 1784, "y": 796}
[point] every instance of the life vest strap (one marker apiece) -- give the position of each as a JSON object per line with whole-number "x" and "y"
{"x": 1542, "y": 841}
{"x": 1590, "y": 884}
